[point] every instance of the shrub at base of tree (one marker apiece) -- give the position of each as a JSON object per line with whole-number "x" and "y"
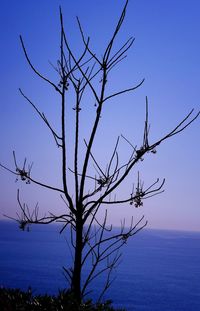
{"x": 18, "y": 300}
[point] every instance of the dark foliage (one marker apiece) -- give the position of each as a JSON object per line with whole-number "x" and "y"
{"x": 17, "y": 300}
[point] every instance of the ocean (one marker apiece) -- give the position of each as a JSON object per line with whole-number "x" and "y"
{"x": 160, "y": 270}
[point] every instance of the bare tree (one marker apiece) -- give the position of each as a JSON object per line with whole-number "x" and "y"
{"x": 93, "y": 242}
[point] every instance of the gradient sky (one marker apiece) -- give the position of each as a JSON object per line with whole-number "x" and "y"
{"x": 166, "y": 53}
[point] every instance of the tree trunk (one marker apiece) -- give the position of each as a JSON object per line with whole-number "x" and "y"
{"x": 76, "y": 277}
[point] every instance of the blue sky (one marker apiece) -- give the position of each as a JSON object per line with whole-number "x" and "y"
{"x": 166, "y": 53}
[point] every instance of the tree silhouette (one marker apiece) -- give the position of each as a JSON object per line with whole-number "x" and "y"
{"x": 93, "y": 242}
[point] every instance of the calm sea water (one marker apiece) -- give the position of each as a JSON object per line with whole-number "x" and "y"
{"x": 160, "y": 269}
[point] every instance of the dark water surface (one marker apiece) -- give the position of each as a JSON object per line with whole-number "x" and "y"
{"x": 160, "y": 269}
